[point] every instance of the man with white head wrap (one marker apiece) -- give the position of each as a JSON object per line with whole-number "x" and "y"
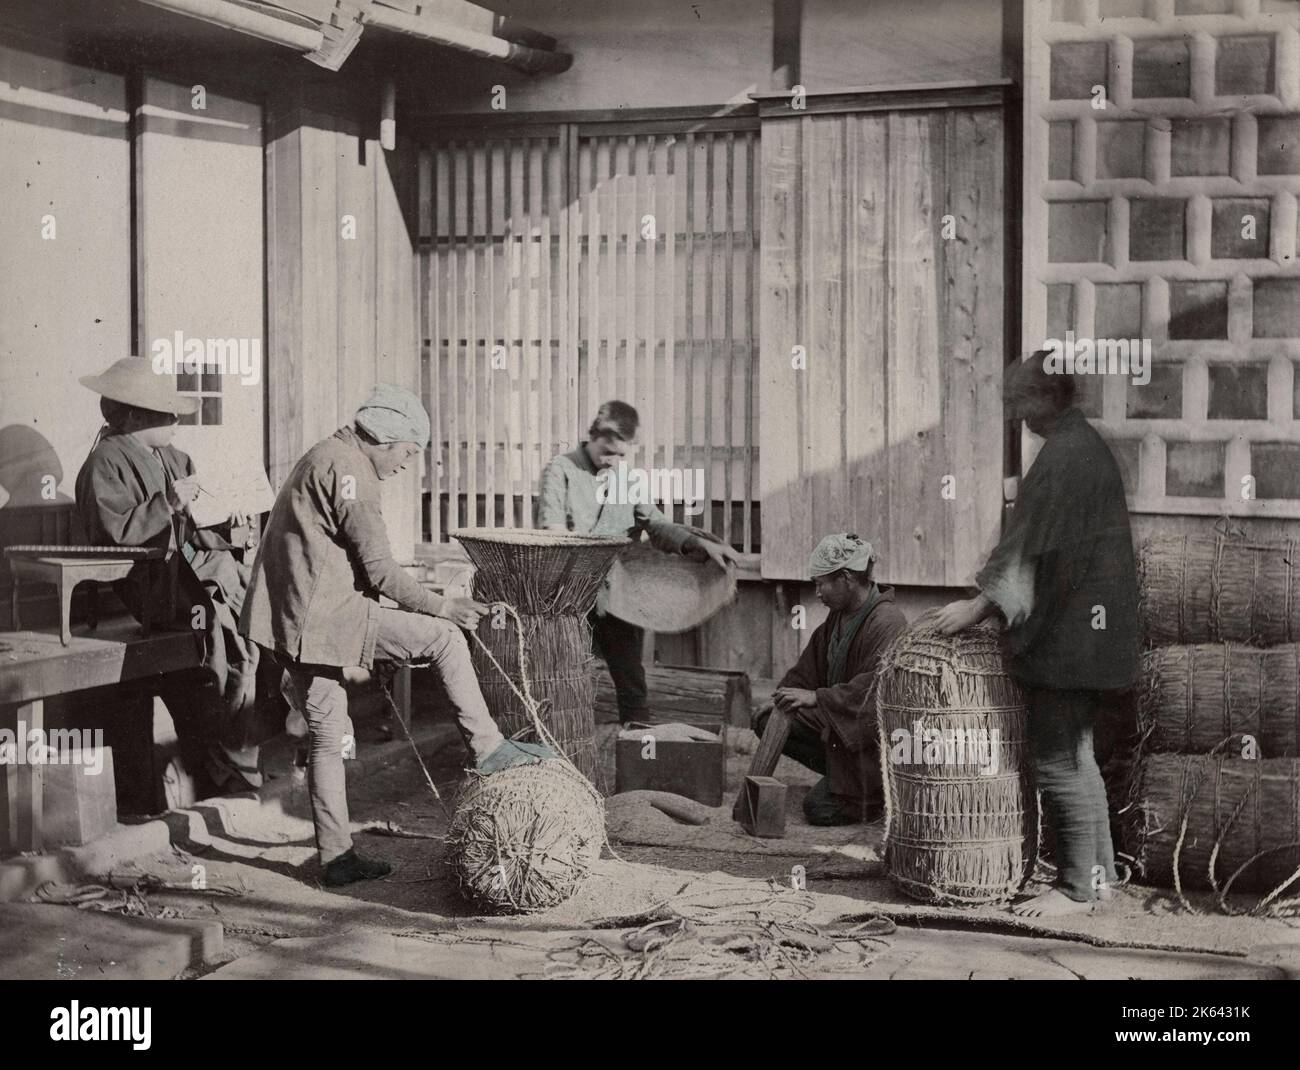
{"x": 313, "y": 602}
{"x": 833, "y": 732}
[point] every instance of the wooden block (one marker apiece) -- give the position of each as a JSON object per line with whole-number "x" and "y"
{"x": 763, "y": 764}
{"x": 695, "y": 768}
{"x": 684, "y": 693}
{"x": 762, "y": 806}
{"x": 80, "y": 803}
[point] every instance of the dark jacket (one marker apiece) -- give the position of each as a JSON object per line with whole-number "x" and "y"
{"x": 846, "y": 722}
{"x": 1064, "y": 567}
{"x": 122, "y": 501}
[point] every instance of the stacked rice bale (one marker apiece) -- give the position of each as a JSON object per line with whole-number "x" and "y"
{"x": 1216, "y": 794}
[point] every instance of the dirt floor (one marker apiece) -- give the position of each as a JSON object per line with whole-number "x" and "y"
{"x": 283, "y": 923}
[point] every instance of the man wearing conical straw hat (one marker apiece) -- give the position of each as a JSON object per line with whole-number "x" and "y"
{"x": 833, "y": 731}
{"x": 1064, "y": 583}
{"x": 136, "y": 489}
{"x": 574, "y": 497}
{"x": 323, "y": 564}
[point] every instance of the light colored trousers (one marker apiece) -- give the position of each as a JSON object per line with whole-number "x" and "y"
{"x": 323, "y": 701}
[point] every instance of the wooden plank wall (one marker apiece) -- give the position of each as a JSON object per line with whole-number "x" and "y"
{"x": 595, "y": 261}
{"x": 901, "y": 333}
{"x": 342, "y": 310}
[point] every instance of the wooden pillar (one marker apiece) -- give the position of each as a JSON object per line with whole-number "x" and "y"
{"x": 341, "y": 277}
{"x": 787, "y": 32}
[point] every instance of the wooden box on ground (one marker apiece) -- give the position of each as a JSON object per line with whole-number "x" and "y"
{"x": 693, "y": 768}
{"x": 80, "y": 800}
{"x": 698, "y": 696}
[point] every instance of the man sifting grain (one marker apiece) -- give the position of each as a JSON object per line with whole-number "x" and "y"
{"x": 1064, "y": 581}
{"x": 833, "y": 730}
{"x": 572, "y": 499}
{"x": 314, "y": 597}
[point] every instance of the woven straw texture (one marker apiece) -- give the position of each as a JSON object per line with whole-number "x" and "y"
{"x": 1193, "y": 698}
{"x": 540, "y": 573}
{"x": 1217, "y": 588}
{"x": 560, "y": 677}
{"x": 551, "y": 580}
{"x": 1234, "y": 823}
{"x": 524, "y": 838}
{"x": 956, "y": 832}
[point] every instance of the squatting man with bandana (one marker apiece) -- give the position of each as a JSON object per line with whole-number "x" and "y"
{"x": 832, "y": 731}
{"x": 313, "y": 601}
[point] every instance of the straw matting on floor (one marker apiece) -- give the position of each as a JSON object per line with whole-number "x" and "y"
{"x": 1194, "y": 698}
{"x": 962, "y": 812}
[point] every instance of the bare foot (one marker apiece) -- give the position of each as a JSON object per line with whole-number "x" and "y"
{"x": 1051, "y": 904}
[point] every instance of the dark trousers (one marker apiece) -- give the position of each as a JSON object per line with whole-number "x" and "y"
{"x": 1074, "y": 796}
{"x": 619, "y": 643}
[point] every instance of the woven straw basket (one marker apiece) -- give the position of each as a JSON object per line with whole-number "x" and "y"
{"x": 665, "y": 592}
{"x": 962, "y": 822}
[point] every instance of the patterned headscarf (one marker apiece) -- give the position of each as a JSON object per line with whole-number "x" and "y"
{"x": 392, "y": 414}
{"x": 840, "y": 551}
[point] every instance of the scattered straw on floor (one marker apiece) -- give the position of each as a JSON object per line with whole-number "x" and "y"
{"x": 740, "y": 932}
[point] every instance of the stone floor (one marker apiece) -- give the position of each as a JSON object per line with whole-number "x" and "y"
{"x": 243, "y": 899}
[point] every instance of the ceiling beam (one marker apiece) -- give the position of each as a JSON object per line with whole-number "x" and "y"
{"x": 245, "y": 20}
{"x": 455, "y": 24}
{"x": 476, "y": 42}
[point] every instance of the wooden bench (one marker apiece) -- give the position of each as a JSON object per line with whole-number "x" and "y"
{"x": 37, "y": 665}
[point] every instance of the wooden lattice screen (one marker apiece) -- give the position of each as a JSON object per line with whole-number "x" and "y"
{"x": 566, "y": 264}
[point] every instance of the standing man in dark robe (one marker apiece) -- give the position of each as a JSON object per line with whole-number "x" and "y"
{"x": 1063, "y": 580}
{"x": 135, "y": 489}
{"x": 571, "y": 500}
{"x": 833, "y": 730}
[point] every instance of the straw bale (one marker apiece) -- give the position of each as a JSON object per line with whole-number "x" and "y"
{"x": 962, "y": 811}
{"x": 1236, "y": 812}
{"x": 1216, "y": 588}
{"x": 524, "y": 838}
{"x": 560, "y": 678}
{"x": 1191, "y": 699}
